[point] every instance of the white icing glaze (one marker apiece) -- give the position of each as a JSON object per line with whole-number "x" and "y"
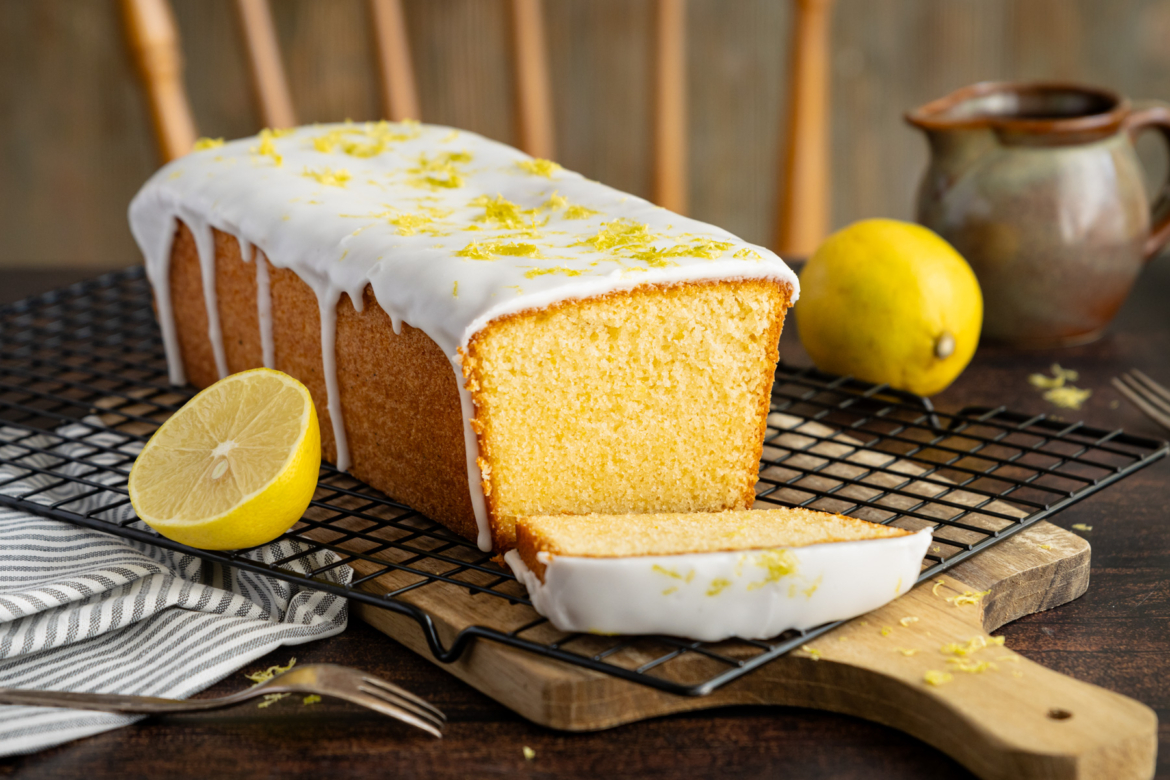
{"x": 350, "y": 206}
{"x": 714, "y": 596}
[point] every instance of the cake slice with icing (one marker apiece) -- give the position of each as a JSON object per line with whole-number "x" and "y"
{"x": 748, "y": 574}
{"x": 485, "y": 335}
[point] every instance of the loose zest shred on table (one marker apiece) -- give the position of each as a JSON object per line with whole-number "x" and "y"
{"x": 1056, "y": 390}
{"x": 937, "y": 585}
{"x": 906, "y": 621}
{"x": 968, "y": 597}
{"x": 529, "y": 753}
{"x": 813, "y": 653}
{"x": 936, "y": 678}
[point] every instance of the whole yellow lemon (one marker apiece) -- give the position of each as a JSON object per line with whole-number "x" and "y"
{"x": 890, "y": 302}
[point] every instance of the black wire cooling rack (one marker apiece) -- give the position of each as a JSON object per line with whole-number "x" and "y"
{"x": 83, "y": 383}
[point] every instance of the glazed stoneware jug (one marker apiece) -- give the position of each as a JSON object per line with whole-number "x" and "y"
{"x": 1039, "y": 187}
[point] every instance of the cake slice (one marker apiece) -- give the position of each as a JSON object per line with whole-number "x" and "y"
{"x": 748, "y": 574}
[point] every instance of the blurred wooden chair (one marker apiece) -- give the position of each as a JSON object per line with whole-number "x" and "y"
{"x": 802, "y": 203}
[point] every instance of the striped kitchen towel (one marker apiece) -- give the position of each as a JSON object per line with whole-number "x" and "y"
{"x": 82, "y": 610}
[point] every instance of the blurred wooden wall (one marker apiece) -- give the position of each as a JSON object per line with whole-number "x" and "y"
{"x": 75, "y": 143}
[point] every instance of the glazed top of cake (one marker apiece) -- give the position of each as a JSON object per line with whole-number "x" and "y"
{"x": 450, "y": 229}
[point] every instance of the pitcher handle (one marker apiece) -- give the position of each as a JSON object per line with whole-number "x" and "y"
{"x": 1154, "y": 115}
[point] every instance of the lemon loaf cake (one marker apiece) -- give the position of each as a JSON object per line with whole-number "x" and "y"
{"x": 486, "y": 335}
{"x": 711, "y": 576}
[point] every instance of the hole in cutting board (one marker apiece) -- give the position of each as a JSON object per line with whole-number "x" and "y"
{"x": 1058, "y": 714}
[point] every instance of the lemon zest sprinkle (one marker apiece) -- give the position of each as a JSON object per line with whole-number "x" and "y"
{"x": 207, "y": 143}
{"x": 968, "y": 597}
{"x": 529, "y": 753}
{"x": 813, "y": 653}
{"x": 486, "y": 250}
{"x": 535, "y": 272}
{"x": 937, "y": 585}
{"x": 777, "y": 563}
{"x": 906, "y": 652}
{"x": 1081, "y": 527}
{"x": 907, "y": 621}
{"x": 328, "y": 176}
{"x": 668, "y": 572}
{"x": 937, "y": 678}
{"x": 717, "y": 586}
{"x": 312, "y": 698}
{"x": 539, "y": 167}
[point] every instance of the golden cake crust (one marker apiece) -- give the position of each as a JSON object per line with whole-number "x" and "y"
{"x": 399, "y": 397}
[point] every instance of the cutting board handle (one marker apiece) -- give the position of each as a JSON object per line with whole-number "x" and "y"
{"x": 991, "y": 709}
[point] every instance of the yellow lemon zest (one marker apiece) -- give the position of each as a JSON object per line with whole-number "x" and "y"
{"x": 486, "y": 250}
{"x": 777, "y": 563}
{"x": 1081, "y": 527}
{"x": 667, "y": 572}
{"x": 906, "y": 652}
{"x": 967, "y": 598}
{"x": 906, "y": 621}
{"x": 267, "y": 148}
{"x": 328, "y": 176}
{"x": 717, "y": 586}
{"x": 937, "y": 678}
{"x": 207, "y": 143}
{"x": 539, "y": 167}
{"x": 813, "y": 653}
{"x": 535, "y": 272}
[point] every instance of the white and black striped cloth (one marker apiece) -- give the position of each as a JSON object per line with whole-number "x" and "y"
{"x": 82, "y": 610}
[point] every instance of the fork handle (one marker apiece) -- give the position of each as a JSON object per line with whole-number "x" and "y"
{"x": 112, "y": 702}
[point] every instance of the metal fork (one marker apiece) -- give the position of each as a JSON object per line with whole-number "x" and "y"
{"x": 1147, "y": 395}
{"x": 340, "y": 682}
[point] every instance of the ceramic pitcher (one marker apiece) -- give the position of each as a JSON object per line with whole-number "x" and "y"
{"x": 1039, "y": 187}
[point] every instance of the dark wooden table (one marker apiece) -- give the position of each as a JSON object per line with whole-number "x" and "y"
{"x": 1116, "y": 636}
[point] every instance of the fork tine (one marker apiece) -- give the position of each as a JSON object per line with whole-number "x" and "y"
{"x": 1152, "y": 385}
{"x": 376, "y": 703}
{"x": 439, "y": 720}
{"x": 1140, "y": 403}
{"x": 1147, "y": 395}
{"x": 403, "y": 693}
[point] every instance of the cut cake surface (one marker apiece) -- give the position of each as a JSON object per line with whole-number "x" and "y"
{"x": 629, "y": 535}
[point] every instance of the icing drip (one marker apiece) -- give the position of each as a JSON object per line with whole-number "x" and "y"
{"x": 263, "y": 301}
{"x": 327, "y": 302}
{"x": 159, "y": 274}
{"x": 753, "y": 594}
{"x": 416, "y": 212}
{"x": 205, "y": 247}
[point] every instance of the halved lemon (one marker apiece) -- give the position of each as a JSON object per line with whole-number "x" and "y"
{"x": 235, "y": 467}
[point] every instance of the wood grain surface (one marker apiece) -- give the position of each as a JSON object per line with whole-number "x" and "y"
{"x": 75, "y": 138}
{"x": 1113, "y": 636}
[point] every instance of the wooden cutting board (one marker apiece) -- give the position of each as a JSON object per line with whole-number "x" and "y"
{"x": 1015, "y": 720}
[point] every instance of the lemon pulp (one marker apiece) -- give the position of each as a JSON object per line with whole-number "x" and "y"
{"x": 234, "y": 467}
